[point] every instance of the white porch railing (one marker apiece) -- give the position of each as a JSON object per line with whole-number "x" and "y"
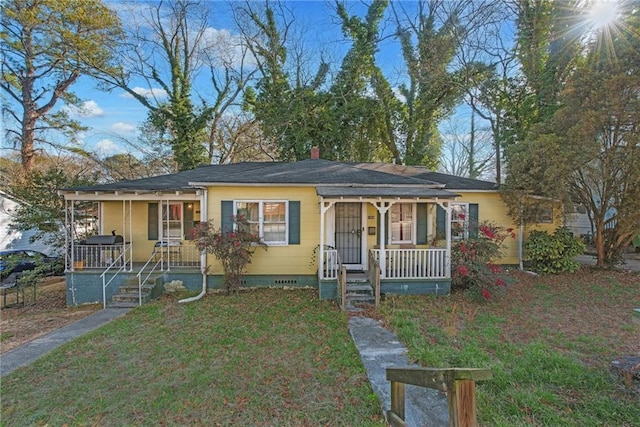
{"x": 176, "y": 254}
{"x": 330, "y": 267}
{"x": 413, "y": 263}
{"x": 98, "y": 256}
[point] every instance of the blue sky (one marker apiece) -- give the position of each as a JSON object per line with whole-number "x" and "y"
{"x": 114, "y": 117}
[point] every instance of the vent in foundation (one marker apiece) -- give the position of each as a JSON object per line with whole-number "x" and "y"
{"x": 286, "y": 282}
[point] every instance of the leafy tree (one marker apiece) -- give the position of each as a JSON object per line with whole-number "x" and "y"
{"x": 587, "y": 152}
{"x": 46, "y": 46}
{"x": 41, "y": 207}
{"x": 429, "y": 43}
{"x": 364, "y": 110}
{"x": 288, "y": 105}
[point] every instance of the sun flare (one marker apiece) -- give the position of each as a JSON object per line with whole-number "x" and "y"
{"x": 603, "y": 14}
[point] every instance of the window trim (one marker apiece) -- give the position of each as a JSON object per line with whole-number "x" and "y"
{"x": 414, "y": 222}
{"x": 162, "y": 222}
{"x": 261, "y": 222}
{"x": 466, "y": 222}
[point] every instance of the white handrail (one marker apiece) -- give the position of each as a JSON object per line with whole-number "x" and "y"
{"x": 139, "y": 275}
{"x": 122, "y": 260}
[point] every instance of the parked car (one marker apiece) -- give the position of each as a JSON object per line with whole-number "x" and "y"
{"x": 21, "y": 260}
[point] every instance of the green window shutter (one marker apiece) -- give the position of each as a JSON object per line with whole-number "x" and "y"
{"x": 226, "y": 216}
{"x": 421, "y": 224}
{"x": 152, "y": 221}
{"x": 294, "y": 223}
{"x": 187, "y": 219}
{"x": 441, "y": 225}
{"x": 473, "y": 220}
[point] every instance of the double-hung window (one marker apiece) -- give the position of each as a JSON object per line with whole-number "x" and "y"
{"x": 459, "y": 221}
{"x": 402, "y": 224}
{"x": 266, "y": 218}
{"x": 171, "y": 223}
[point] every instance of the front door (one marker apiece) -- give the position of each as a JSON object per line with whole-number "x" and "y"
{"x": 349, "y": 234}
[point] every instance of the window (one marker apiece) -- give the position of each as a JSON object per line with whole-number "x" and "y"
{"x": 267, "y": 219}
{"x": 402, "y": 224}
{"x": 171, "y": 223}
{"x": 543, "y": 214}
{"x": 459, "y": 221}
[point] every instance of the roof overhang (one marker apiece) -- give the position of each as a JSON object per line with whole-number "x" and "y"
{"x": 375, "y": 192}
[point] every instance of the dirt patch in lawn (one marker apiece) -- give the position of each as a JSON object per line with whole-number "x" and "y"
{"x": 21, "y": 323}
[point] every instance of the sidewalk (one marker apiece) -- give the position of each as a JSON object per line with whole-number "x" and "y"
{"x": 380, "y": 349}
{"x": 27, "y": 353}
{"x": 631, "y": 263}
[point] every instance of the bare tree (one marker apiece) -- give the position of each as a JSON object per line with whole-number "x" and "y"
{"x": 171, "y": 47}
{"x": 466, "y": 152}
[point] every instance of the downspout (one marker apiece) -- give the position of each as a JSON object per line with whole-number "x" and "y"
{"x": 521, "y": 238}
{"x": 203, "y": 254}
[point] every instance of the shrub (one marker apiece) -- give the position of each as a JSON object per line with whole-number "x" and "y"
{"x": 233, "y": 249}
{"x": 474, "y": 270}
{"x": 553, "y": 253}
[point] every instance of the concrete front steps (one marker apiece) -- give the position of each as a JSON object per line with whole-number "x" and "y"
{"x": 129, "y": 294}
{"x": 359, "y": 290}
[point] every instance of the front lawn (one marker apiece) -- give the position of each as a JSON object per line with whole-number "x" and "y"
{"x": 549, "y": 343}
{"x": 264, "y": 357}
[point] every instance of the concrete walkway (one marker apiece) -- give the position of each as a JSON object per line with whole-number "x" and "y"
{"x": 631, "y": 262}
{"x": 27, "y": 353}
{"x": 380, "y": 349}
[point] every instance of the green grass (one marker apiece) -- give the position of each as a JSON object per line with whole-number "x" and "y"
{"x": 548, "y": 343}
{"x": 265, "y": 357}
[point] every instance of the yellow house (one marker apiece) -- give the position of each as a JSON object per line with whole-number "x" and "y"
{"x": 326, "y": 224}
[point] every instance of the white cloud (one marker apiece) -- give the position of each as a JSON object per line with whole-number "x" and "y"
{"x": 87, "y": 109}
{"x": 106, "y": 147}
{"x": 157, "y": 93}
{"x": 226, "y": 49}
{"x": 123, "y": 127}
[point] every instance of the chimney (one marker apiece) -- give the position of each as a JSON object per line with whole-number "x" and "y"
{"x": 315, "y": 153}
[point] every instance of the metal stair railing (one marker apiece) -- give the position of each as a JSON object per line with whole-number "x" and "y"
{"x": 121, "y": 261}
{"x": 141, "y": 273}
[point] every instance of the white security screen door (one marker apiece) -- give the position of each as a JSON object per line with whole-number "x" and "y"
{"x": 349, "y": 233}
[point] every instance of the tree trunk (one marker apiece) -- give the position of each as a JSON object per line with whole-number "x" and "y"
{"x": 27, "y": 146}
{"x": 600, "y": 252}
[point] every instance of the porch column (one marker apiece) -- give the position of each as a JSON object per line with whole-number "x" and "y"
{"x": 69, "y": 237}
{"x": 124, "y": 247}
{"x": 324, "y": 208}
{"x": 447, "y": 261}
{"x": 382, "y": 210}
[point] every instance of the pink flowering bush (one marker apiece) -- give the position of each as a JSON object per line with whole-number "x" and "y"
{"x": 472, "y": 260}
{"x": 233, "y": 249}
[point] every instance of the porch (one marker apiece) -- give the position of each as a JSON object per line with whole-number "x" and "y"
{"x": 410, "y": 264}
{"x": 168, "y": 256}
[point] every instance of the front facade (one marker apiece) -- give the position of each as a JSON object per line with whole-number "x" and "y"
{"x": 315, "y": 216}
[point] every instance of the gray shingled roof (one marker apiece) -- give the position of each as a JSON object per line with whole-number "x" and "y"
{"x": 450, "y": 182}
{"x": 322, "y": 173}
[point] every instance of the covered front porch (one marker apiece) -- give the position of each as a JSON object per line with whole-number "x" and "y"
{"x": 135, "y": 238}
{"x": 400, "y": 238}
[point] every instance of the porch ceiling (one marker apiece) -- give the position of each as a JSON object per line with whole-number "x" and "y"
{"x": 384, "y": 192}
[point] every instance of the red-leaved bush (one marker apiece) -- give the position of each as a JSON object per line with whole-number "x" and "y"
{"x": 233, "y": 249}
{"x": 474, "y": 270}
